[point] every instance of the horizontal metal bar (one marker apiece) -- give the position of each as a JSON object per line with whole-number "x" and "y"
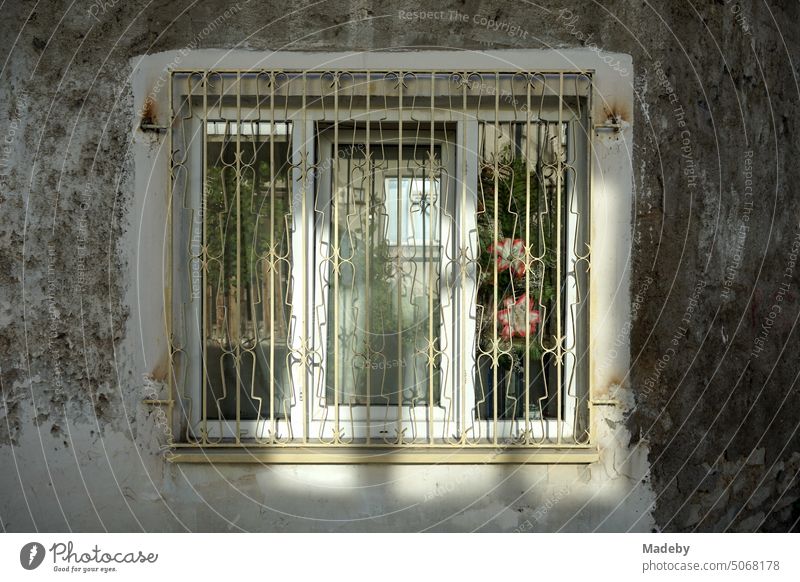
{"x": 255, "y": 445}
{"x": 385, "y": 455}
{"x": 337, "y": 68}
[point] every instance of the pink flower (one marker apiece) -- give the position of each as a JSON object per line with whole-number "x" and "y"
{"x": 513, "y": 317}
{"x": 510, "y": 255}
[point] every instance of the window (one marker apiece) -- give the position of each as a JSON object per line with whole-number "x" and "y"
{"x": 379, "y": 259}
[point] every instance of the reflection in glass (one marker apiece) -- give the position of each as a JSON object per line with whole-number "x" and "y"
{"x": 389, "y": 247}
{"x": 247, "y": 207}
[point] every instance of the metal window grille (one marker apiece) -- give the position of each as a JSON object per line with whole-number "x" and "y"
{"x": 379, "y": 260}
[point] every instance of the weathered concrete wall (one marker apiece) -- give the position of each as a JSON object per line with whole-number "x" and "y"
{"x": 714, "y": 225}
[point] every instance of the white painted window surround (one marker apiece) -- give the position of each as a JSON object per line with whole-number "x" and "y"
{"x": 610, "y": 187}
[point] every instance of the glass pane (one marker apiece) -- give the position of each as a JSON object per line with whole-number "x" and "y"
{"x": 247, "y": 206}
{"x": 411, "y": 210}
{"x": 388, "y": 240}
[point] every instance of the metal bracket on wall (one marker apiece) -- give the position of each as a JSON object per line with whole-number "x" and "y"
{"x": 153, "y": 127}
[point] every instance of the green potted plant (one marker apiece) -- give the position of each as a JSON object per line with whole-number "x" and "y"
{"x": 518, "y": 316}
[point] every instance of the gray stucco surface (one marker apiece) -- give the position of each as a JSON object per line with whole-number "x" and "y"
{"x": 714, "y": 287}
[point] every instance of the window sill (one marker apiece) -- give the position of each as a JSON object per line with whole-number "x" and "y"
{"x": 382, "y": 455}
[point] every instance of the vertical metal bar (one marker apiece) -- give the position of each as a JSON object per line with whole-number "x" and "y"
{"x": 464, "y": 244}
{"x": 559, "y": 290}
{"x": 336, "y": 250}
{"x": 399, "y": 252}
{"x": 368, "y": 193}
{"x": 495, "y": 339}
{"x": 272, "y": 257}
{"x": 238, "y": 296}
{"x": 588, "y": 237}
{"x": 168, "y": 291}
{"x": 528, "y": 262}
{"x": 305, "y": 341}
{"x": 203, "y": 198}
{"x": 430, "y": 264}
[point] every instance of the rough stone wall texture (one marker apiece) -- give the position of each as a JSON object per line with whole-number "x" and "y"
{"x": 714, "y": 363}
